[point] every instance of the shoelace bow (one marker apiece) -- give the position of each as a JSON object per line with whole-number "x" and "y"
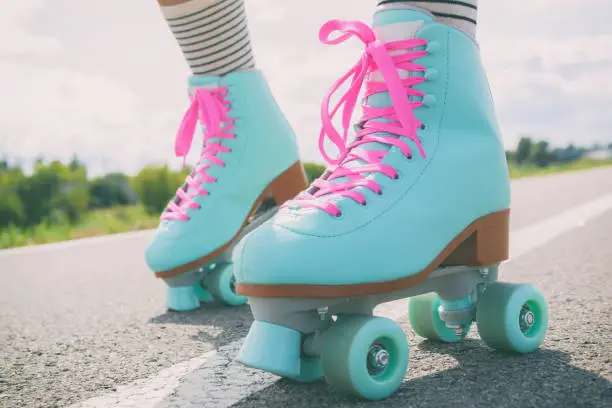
{"x": 398, "y": 119}
{"x": 211, "y": 109}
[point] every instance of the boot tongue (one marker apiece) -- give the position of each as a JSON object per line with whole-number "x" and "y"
{"x": 205, "y": 83}
{"x": 395, "y": 22}
{"x": 195, "y": 83}
{"x": 391, "y": 23}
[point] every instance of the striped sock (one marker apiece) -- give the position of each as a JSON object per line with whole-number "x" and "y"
{"x": 459, "y": 14}
{"x": 212, "y": 34}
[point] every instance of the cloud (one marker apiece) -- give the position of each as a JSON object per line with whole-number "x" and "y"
{"x": 557, "y": 89}
{"x": 15, "y": 39}
{"x": 107, "y": 81}
{"x": 59, "y": 112}
{"x": 549, "y": 68}
{"x": 52, "y": 110}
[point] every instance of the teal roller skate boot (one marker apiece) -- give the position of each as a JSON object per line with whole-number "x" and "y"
{"x": 415, "y": 205}
{"x": 249, "y": 164}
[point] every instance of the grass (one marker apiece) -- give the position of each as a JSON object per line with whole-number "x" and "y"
{"x": 95, "y": 223}
{"x": 134, "y": 218}
{"x": 582, "y": 164}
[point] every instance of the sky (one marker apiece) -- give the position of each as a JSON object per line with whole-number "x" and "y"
{"x": 105, "y": 79}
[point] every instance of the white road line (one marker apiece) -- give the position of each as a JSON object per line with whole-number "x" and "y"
{"x": 150, "y": 391}
{"x": 200, "y": 387}
{"x": 528, "y": 238}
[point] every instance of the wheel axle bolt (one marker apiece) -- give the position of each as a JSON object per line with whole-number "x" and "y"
{"x": 378, "y": 359}
{"x": 529, "y": 318}
{"x": 382, "y": 358}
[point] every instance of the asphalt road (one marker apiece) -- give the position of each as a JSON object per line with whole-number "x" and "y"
{"x": 86, "y": 320}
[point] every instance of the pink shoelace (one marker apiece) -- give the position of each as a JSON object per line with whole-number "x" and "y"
{"x": 211, "y": 108}
{"x": 398, "y": 119}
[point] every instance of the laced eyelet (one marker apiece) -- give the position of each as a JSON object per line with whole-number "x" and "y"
{"x": 398, "y": 175}
{"x": 405, "y": 98}
{"x": 429, "y": 101}
{"x": 432, "y": 47}
{"x": 202, "y": 100}
{"x": 431, "y": 74}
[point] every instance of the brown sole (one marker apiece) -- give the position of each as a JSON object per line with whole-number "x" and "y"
{"x": 284, "y": 187}
{"x": 484, "y": 242}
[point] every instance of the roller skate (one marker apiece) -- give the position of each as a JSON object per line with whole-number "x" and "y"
{"x": 415, "y": 206}
{"x": 249, "y": 165}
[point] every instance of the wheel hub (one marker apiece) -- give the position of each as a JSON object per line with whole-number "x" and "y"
{"x": 378, "y": 359}
{"x": 233, "y": 284}
{"x": 526, "y": 319}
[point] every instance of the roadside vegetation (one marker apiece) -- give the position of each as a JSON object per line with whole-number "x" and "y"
{"x": 58, "y": 201}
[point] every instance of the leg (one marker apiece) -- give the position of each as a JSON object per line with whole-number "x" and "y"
{"x": 213, "y": 34}
{"x": 221, "y": 200}
{"x": 460, "y": 14}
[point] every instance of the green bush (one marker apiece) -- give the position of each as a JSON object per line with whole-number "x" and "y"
{"x": 523, "y": 150}
{"x": 156, "y": 186}
{"x": 54, "y": 188}
{"x": 12, "y": 210}
{"x": 53, "y": 191}
{"x": 110, "y": 190}
{"x": 540, "y": 155}
{"x": 313, "y": 171}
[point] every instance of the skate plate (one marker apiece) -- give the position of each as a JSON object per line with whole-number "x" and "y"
{"x": 359, "y": 354}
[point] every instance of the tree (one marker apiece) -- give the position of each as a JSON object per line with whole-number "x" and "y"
{"x": 156, "y": 186}
{"x": 570, "y": 152}
{"x": 71, "y": 202}
{"x": 111, "y": 189}
{"x": 11, "y": 207}
{"x": 54, "y": 189}
{"x": 523, "y": 150}
{"x": 4, "y": 164}
{"x": 75, "y": 164}
{"x": 541, "y": 157}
